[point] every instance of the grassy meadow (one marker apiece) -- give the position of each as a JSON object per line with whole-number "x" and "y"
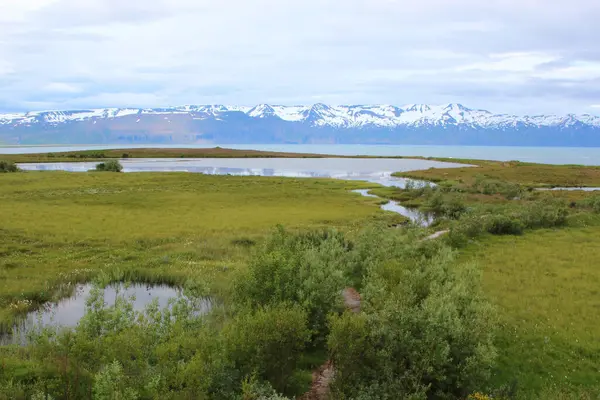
{"x": 534, "y": 175}
{"x": 426, "y": 316}
{"x": 60, "y": 227}
{"x": 545, "y": 285}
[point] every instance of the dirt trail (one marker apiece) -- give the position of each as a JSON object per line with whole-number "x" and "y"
{"x": 322, "y": 376}
{"x": 436, "y": 235}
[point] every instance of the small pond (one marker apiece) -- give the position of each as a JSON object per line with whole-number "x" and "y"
{"x": 67, "y": 312}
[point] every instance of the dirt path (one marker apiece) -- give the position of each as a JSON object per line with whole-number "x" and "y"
{"x": 322, "y": 376}
{"x": 436, "y": 235}
{"x": 351, "y": 299}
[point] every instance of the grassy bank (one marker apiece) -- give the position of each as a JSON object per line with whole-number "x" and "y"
{"x": 529, "y": 174}
{"x": 62, "y": 227}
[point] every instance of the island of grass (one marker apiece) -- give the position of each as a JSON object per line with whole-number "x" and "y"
{"x": 536, "y": 253}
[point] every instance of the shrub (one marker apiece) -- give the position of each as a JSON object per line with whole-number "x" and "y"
{"x": 8, "y": 166}
{"x": 501, "y": 224}
{"x": 466, "y": 228}
{"x": 305, "y": 269}
{"x": 426, "y": 332}
{"x": 268, "y": 341}
{"x": 546, "y": 213}
{"x": 493, "y": 186}
{"x": 109, "y": 384}
{"x": 451, "y": 205}
{"x": 252, "y": 389}
{"x": 593, "y": 202}
{"x": 110, "y": 166}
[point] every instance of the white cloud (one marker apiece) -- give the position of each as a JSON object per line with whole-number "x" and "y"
{"x": 61, "y": 87}
{"x": 511, "y": 62}
{"x": 499, "y": 53}
{"x": 577, "y": 71}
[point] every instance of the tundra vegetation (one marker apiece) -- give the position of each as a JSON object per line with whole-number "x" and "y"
{"x": 8, "y": 166}
{"x": 503, "y": 306}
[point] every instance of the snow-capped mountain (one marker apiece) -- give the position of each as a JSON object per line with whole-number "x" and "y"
{"x": 264, "y": 123}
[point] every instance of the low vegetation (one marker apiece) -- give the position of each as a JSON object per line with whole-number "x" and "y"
{"x": 110, "y": 166}
{"x": 286, "y": 302}
{"x": 8, "y": 166}
{"x": 503, "y": 306}
{"x": 93, "y": 155}
{"x": 61, "y": 228}
{"x": 511, "y": 173}
{"x": 537, "y": 250}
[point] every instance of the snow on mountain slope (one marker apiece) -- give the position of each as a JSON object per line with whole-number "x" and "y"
{"x": 321, "y": 115}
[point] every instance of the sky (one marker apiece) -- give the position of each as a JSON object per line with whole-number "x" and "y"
{"x": 506, "y": 56}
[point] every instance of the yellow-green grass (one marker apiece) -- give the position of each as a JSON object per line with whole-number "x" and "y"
{"x": 546, "y": 285}
{"x": 100, "y": 154}
{"x": 60, "y": 227}
{"x": 537, "y": 175}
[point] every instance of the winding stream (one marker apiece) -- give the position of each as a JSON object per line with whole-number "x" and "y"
{"x": 416, "y": 216}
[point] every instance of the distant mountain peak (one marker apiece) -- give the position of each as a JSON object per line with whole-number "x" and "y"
{"x": 410, "y": 116}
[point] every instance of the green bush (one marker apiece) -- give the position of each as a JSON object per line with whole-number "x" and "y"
{"x": 500, "y": 224}
{"x": 110, "y": 166}
{"x": 545, "y": 213}
{"x": 450, "y": 205}
{"x": 305, "y": 269}
{"x": 8, "y": 166}
{"x": 426, "y": 333}
{"x": 493, "y": 186}
{"x": 593, "y": 202}
{"x": 267, "y": 342}
{"x": 468, "y": 227}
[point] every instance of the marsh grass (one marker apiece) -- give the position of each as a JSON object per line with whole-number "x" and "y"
{"x": 62, "y": 228}
{"x": 512, "y": 172}
{"x": 545, "y": 284}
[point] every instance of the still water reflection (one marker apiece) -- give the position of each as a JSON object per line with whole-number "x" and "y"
{"x": 366, "y": 169}
{"x": 67, "y": 312}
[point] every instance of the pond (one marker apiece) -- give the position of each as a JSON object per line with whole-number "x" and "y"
{"x": 68, "y": 311}
{"x": 413, "y": 214}
{"x": 377, "y": 170}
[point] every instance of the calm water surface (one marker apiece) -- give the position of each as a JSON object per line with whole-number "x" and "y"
{"x": 366, "y": 169}
{"x": 547, "y": 155}
{"x": 416, "y": 216}
{"x": 67, "y": 312}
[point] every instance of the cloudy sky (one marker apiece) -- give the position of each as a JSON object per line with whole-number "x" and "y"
{"x": 514, "y": 56}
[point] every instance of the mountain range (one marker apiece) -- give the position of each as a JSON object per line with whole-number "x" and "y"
{"x": 448, "y": 124}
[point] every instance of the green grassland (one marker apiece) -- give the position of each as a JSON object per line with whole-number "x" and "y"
{"x": 538, "y": 175}
{"x": 545, "y": 285}
{"x": 62, "y": 227}
{"x": 59, "y": 228}
{"x": 544, "y": 282}
{"x": 101, "y": 154}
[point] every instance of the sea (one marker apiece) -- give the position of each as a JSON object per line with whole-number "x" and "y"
{"x": 546, "y": 155}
